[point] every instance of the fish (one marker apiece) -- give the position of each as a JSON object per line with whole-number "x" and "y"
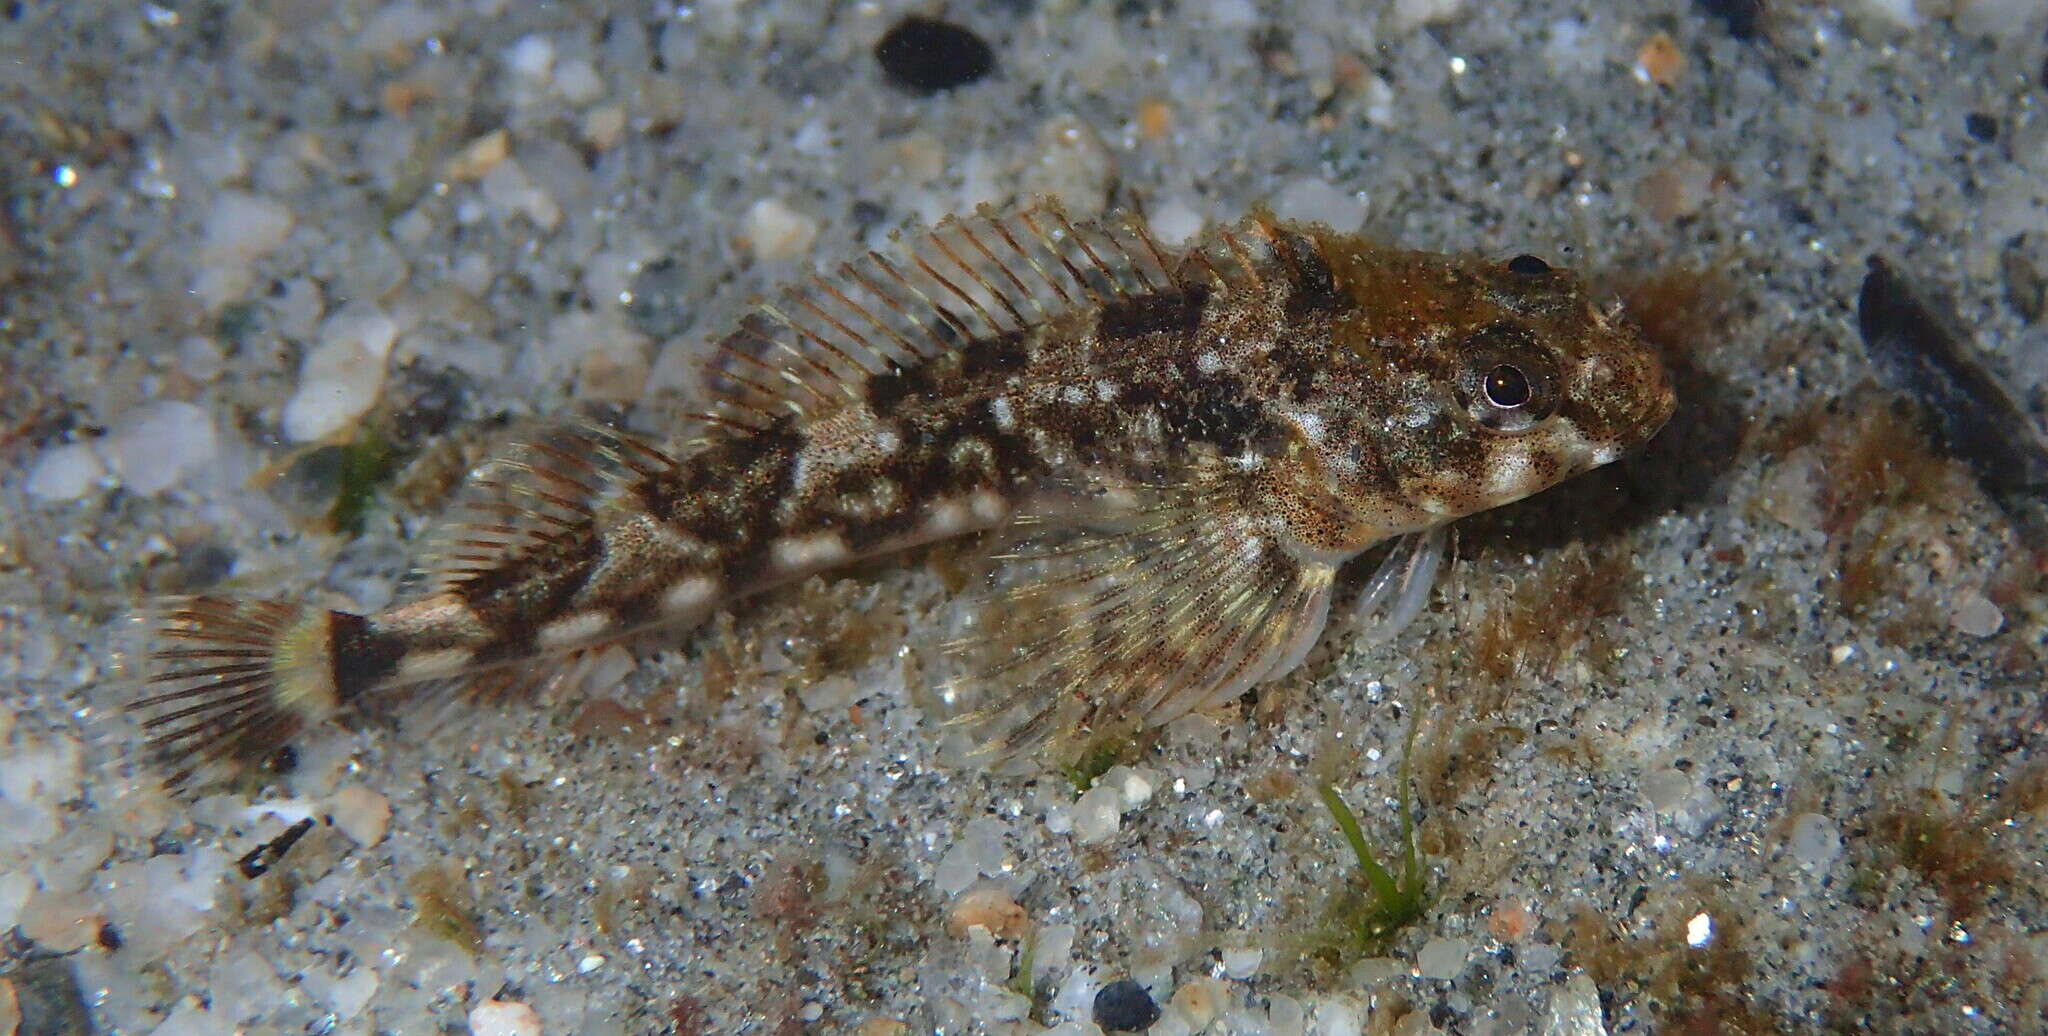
{"x": 1177, "y": 446}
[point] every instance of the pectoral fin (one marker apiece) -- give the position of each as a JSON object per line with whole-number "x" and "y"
{"x": 1100, "y": 634}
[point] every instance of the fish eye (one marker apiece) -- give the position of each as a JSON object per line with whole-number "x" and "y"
{"x": 1527, "y": 265}
{"x": 1507, "y": 383}
{"x": 1506, "y": 386}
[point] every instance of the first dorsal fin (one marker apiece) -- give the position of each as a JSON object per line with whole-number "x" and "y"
{"x": 545, "y": 486}
{"x": 812, "y": 349}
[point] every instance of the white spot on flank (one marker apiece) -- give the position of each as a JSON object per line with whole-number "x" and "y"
{"x": 823, "y": 548}
{"x": 999, "y": 407}
{"x": 949, "y": 517}
{"x": 989, "y": 506}
{"x": 1434, "y": 504}
{"x": 1073, "y": 394}
{"x": 887, "y": 441}
{"x": 433, "y": 665}
{"x": 1106, "y": 391}
{"x": 1308, "y": 423}
{"x": 690, "y": 594}
{"x": 1209, "y": 362}
{"x": 1606, "y": 454}
{"x": 575, "y": 629}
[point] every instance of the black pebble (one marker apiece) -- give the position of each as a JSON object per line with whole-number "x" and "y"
{"x": 1743, "y": 17}
{"x": 1981, "y": 127}
{"x": 925, "y": 55}
{"x": 1124, "y": 1006}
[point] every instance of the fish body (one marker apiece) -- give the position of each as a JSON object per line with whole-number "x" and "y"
{"x": 1192, "y": 440}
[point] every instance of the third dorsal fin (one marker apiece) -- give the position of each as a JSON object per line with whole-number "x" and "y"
{"x": 812, "y": 349}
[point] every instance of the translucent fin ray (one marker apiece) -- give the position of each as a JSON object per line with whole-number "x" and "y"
{"x": 1102, "y": 632}
{"x": 229, "y": 679}
{"x": 961, "y": 281}
{"x": 538, "y": 491}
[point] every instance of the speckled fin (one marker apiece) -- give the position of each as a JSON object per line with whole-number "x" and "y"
{"x": 814, "y": 348}
{"x": 544, "y": 487}
{"x": 1102, "y": 633}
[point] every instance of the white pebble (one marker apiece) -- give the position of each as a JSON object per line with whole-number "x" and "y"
{"x": 1815, "y": 840}
{"x": 1175, "y": 222}
{"x": 1409, "y": 14}
{"x": 239, "y": 229}
{"x": 153, "y": 445}
{"x": 242, "y": 228}
{"x": 394, "y": 29}
{"x": 1133, "y": 786}
{"x": 65, "y": 471}
{"x": 1442, "y": 958}
{"x": 1339, "y": 1015}
{"x": 1904, "y": 14}
{"x": 1666, "y": 788}
{"x": 1575, "y": 1009}
{"x": 1312, "y": 200}
{"x": 1243, "y": 962}
{"x": 1374, "y": 970}
{"x": 351, "y": 993}
{"x": 1233, "y": 14}
{"x": 199, "y": 358}
{"x": 15, "y": 888}
{"x": 510, "y": 192}
{"x": 503, "y": 1018}
{"x": 343, "y": 375}
{"x": 577, "y": 82}
{"x": 1975, "y": 615}
{"x": 775, "y": 231}
{"x": 533, "y": 57}
{"x": 1098, "y": 813}
{"x": 361, "y": 814}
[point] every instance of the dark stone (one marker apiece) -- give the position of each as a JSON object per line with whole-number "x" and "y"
{"x": 1744, "y": 18}
{"x": 926, "y": 55}
{"x": 51, "y": 1001}
{"x": 1982, "y": 128}
{"x": 1125, "y": 1006}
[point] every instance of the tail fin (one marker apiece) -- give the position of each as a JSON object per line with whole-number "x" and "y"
{"x": 234, "y": 679}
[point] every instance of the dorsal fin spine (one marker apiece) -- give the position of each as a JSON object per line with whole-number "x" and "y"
{"x": 1032, "y": 261}
{"x": 963, "y": 296}
{"x": 1053, "y": 247}
{"x": 1002, "y": 297}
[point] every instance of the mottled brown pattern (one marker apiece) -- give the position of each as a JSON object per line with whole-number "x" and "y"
{"x": 1253, "y": 409}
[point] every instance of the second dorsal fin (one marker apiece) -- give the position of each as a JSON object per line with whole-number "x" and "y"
{"x": 812, "y": 349}
{"x": 543, "y": 486}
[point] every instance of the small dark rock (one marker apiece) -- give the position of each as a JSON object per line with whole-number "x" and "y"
{"x": 1743, "y": 17}
{"x": 2023, "y": 263}
{"x": 1125, "y": 1006}
{"x": 926, "y": 55}
{"x": 50, "y": 999}
{"x": 1982, "y": 128}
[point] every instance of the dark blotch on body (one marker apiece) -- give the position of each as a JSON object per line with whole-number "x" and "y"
{"x": 1167, "y": 312}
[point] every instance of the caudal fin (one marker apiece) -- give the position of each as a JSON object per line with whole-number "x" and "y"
{"x": 233, "y": 679}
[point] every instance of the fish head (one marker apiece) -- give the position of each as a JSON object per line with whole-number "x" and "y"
{"x": 1481, "y": 381}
